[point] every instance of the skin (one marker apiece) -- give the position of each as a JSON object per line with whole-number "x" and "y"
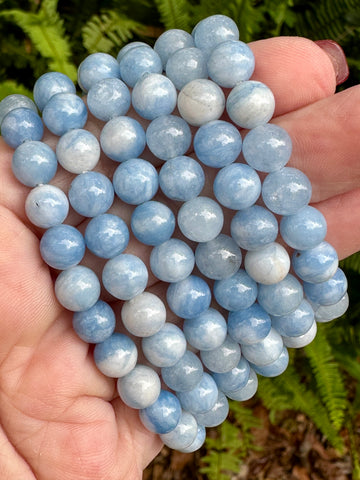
{"x": 60, "y": 418}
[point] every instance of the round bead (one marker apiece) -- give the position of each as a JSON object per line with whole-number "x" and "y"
{"x": 172, "y": 261}
{"x": 216, "y": 415}
{"x": 16, "y": 100}
{"x": 143, "y": 315}
{"x": 165, "y": 347}
{"x": 21, "y": 125}
{"x": 201, "y": 398}
{"x": 304, "y": 229}
{"x": 163, "y": 415}
{"x": 236, "y": 292}
{"x": 106, "y": 235}
{"x": 122, "y": 138}
{"x": 154, "y": 95}
{"x": 295, "y": 323}
{"x": 206, "y": 331}
{"x": 301, "y": 340}
{"x": 247, "y": 392}
{"x": 214, "y": 30}
{"x": 138, "y": 61}
{"x": 48, "y": 85}
{"x": 77, "y": 288}
{"x": 63, "y": 112}
{"x": 140, "y": 388}
{"x": 223, "y": 358}
{"x": 96, "y": 67}
{"x": 125, "y": 276}
{"x": 62, "y": 246}
{"x": 129, "y": 46}
{"x": 91, "y": 194}
{"x": 183, "y": 434}
{"x": 135, "y": 181}
{"x": 327, "y": 313}
{"x": 189, "y": 298}
{"x": 46, "y": 206}
{"x": 170, "y": 41}
{"x": 78, "y": 151}
{"x": 268, "y": 264}
{"x": 109, "y": 98}
{"x": 152, "y": 223}
{"x": 316, "y": 264}
{"x": 234, "y": 379}
{"x": 181, "y": 178}
{"x": 329, "y": 292}
{"x": 185, "y": 374}
{"x": 265, "y": 351}
{"x": 116, "y": 356}
{"x": 197, "y": 443}
{"x": 96, "y": 324}
{"x": 281, "y": 298}
{"x": 275, "y": 368}
{"x": 250, "y": 325}
{"x": 186, "y": 65}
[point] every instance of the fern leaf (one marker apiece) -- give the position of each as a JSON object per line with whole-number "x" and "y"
{"x": 9, "y": 87}
{"x": 352, "y": 262}
{"x": 174, "y": 13}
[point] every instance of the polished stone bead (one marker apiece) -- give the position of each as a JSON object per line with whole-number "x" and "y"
{"x": 139, "y": 388}
{"x": 78, "y": 150}
{"x": 265, "y": 351}
{"x": 77, "y": 288}
{"x": 234, "y": 379}
{"x": 301, "y": 341}
{"x": 327, "y": 313}
{"x": 34, "y": 163}
{"x": 138, "y": 61}
{"x": 181, "y": 178}
{"x": 216, "y": 415}
{"x": 165, "y": 347}
{"x": 183, "y": 434}
{"x": 286, "y": 191}
{"x": 135, "y": 181}
{"x": 152, "y": 223}
{"x": 200, "y": 219}
{"x": 172, "y": 261}
{"x": 197, "y": 443}
{"x": 268, "y": 264}
{"x": 304, "y": 229}
{"x": 250, "y": 325}
{"x": 236, "y": 292}
{"x": 213, "y": 30}
{"x": 16, "y": 100}
{"x": 206, "y": 331}
{"x": 281, "y": 298}
{"x": 163, "y": 415}
{"x": 91, "y": 194}
{"x": 153, "y": 95}
{"x": 250, "y": 104}
{"x": 125, "y": 276}
{"x": 185, "y": 374}
{"x": 168, "y": 136}
{"x": 171, "y": 41}
{"x": 316, "y": 264}
{"x": 295, "y": 323}
{"x": 63, "y": 112}
{"x": 275, "y": 368}
{"x": 186, "y": 65}
{"x": 106, "y": 235}
{"x": 237, "y": 186}
{"x": 122, "y": 138}
{"x": 62, "y": 246}
{"x": 109, "y": 98}
{"x": 201, "y": 398}
{"x": 48, "y": 85}
{"x": 116, "y": 356}
{"x": 247, "y": 392}
{"x": 129, "y": 46}
{"x": 21, "y": 125}
{"x": 217, "y": 143}
{"x": 96, "y": 67}
{"x": 46, "y": 206}
{"x": 189, "y": 297}
{"x": 329, "y": 292}
{"x": 267, "y": 147}
{"x": 95, "y": 324}
{"x": 223, "y": 358}
{"x": 143, "y": 315}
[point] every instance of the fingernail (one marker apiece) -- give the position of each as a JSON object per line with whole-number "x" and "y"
{"x": 337, "y": 57}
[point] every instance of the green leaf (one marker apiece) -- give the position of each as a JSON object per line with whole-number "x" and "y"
{"x": 10, "y": 87}
{"x": 174, "y": 13}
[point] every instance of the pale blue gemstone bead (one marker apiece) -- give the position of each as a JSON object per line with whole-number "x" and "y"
{"x": 206, "y": 331}
{"x": 163, "y": 415}
{"x": 237, "y": 186}
{"x": 77, "y": 288}
{"x": 236, "y": 292}
{"x": 153, "y": 95}
{"x": 295, "y": 323}
{"x": 152, "y": 223}
{"x": 281, "y": 298}
{"x": 172, "y": 261}
{"x": 235, "y": 379}
{"x": 78, "y": 151}
{"x": 265, "y": 351}
{"x": 181, "y": 178}
{"x": 16, "y": 100}
{"x": 301, "y": 340}
{"x": 170, "y": 41}
{"x": 183, "y": 434}
{"x": 106, "y": 235}
{"x": 165, "y": 347}
{"x": 143, "y": 315}
{"x": 122, "y": 138}
{"x": 48, "y": 85}
{"x": 138, "y": 61}
{"x": 267, "y": 148}
{"x": 217, "y": 143}
{"x": 275, "y": 368}
{"x": 223, "y": 358}
{"x": 304, "y": 229}
{"x": 329, "y": 292}
{"x": 109, "y": 98}
{"x": 96, "y": 67}
{"x": 189, "y": 297}
{"x": 62, "y": 246}
{"x": 231, "y": 62}
{"x": 139, "y": 388}
{"x": 129, "y": 46}
{"x": 91, "y": 194}
{"x": 250, "y": 325}
{"x": 327, "y": 313}
{"x": 63, "y": 112}
{"x": 197, "y": 443}
{"x": 286, "y": 191}
{"x": 246, "y": 392}
{"x": 135, "y": 181}
{"x": 200, "y": 219}
{"x": 96, "y": 324}
{"x": 186, "y": 65}
{"x": 21, "y": 125}
{"x": 254, "y": 227}
{"x": 34, "y": 163}
{"x": 116, "y": 356}
{"x": 214, "y": 30}
{"x": 185, "y": 374}
{"x": 46, "y": 206}
{"x": 250, "y": 104}
{"x": 168, "y": 136}
{"x": 216, "y": 415}
{"x": 316, "y": 264}
{"x": 125, "y": 276}
{"x": 201, "y": 398}
{"x": 268, "y": 264}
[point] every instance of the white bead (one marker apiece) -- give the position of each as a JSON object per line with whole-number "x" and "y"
{"x": 302, "y": 340}
{"x": 143, "y": 315}
{"x": 78, "y": 151}
{"x": 268, "y": 264}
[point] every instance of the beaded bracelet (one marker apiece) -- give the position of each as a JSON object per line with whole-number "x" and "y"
{"x": 237, "y": 322}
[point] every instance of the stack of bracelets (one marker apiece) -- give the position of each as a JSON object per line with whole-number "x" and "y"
{"x": 235, "y": 301}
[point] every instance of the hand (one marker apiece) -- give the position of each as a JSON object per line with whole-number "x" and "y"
{"x": 60, "y": 417}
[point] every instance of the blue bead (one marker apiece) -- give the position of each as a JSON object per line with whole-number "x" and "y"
{"x": 201, "y": 398}
{"x": 116, "y": 356}
{"x": 135, "y": 181}
{"x": 219, "y": 258}
{"x": 185, "y": 374}
{"x": 235, "y": 379}
{"x": 48, "y": 85}
{"x": 197, "y": 443}
{"x": 139, "y": 388}
{"x": 138, "y": 61}
{"x": 154, "y": 95}
{"x": 265, "y": 351}
{"x": 16, "y": 100}
{"x": 91, "y": 194}
{"x": 247, "y": 392}
{"x": 186, "y": 65}
{"x": 63, "y": 112}
{"x": 237, "y": 186}
{"x": 286, "y": 191}
{"x": 294, "y": 323}
{"x": 125, "y": 276}
{"x": 172, "y": 261}
{"x": 122, "y": 138}
{"x": 304, "y": 229}
{"x": 214, "y": 30}
{"x": 281, "y": 298}
{"x": 168, "y": 136}
{"x": 152, "y": 223}
{"x": 250, "y": 325}
{"x": 267, "y": 147}
{"x": 327, "y": 313}
{"x": 301, "y": 340}
{"x": 181, "y": 178}
{"x": 216, "y": 415}
{"x": 206, "y": 331}
{"x": 236, "y": 292}
{"x": 329, "y": 292}
{"x": 223, "y": 358}
{"x": 62, "y": 246}
{"x": 183, "y": 434}
{"x": 96, "y": 67}
{"x": 189, "y": 298}
{"x": 78, "y": 150}
{"x": 166, "y": 347}
{"x": 109, "y": 98}
{"x": 46, "y": 206}
{"x": 129, "y": 46}
{"x": 106, "y": 235}
{"x": 254, "y": 227}
{"x": 275, "y": 368}
{"x": 316, "y": 264}
{"x": 217, "y": 143}
{"x": 33, "y": 163}
{"x": 21, "y": 125}
{"x": 96, "y": 324}
{"x": 163, "y": 415}
{"x": 170, "y": 41}
{"x": 77, "y": 288}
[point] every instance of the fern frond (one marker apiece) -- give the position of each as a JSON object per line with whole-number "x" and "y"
{"x": 352, "y": 262}
{"x": 174, "y": 13}
{"x": 9, "y": 87}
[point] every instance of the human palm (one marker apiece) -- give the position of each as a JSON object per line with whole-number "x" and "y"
{"x": 60, "y": 418}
